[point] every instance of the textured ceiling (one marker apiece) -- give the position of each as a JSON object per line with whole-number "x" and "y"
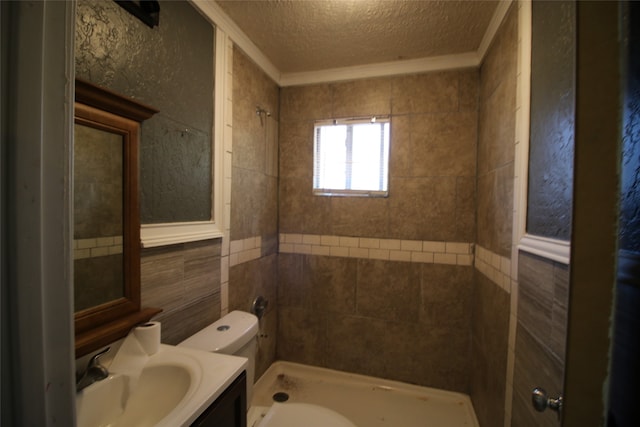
{"x": 313, "y": 35}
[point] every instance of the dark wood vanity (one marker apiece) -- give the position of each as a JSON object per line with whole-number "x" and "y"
{"x": 228, "y": 410}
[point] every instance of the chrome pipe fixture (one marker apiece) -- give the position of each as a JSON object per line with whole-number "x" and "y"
{"x": 259, "y": 306}
{"x": 260, "y": 111}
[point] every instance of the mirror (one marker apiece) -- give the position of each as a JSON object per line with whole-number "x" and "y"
{"x": 98, "y": 215}
{"x": 106, "y": 216}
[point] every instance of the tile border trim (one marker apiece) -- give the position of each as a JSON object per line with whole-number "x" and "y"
{"x": 245, "y": 250}
{"x": 419, "y": 251}
{"x": 495, "y": 267}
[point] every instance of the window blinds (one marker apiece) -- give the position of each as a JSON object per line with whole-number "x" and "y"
{"x": 351, "y": 157}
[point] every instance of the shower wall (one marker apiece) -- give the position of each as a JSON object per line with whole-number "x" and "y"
{"x": 383, "y": 286}
{"x": 254, "y": 199}
{"x": 496, "y": 154}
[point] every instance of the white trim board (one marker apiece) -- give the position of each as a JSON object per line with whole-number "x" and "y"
{"x": 152, "y": 235}
{"x": 421, "y": 65}
{"x": 492, "y": 29}
{"x": 212, "y": 11}
{"x": 553, "y": 249}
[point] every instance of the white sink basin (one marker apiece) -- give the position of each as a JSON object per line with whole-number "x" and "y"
{"x": 159, "y": 390}
{"x": 174, "y": 387}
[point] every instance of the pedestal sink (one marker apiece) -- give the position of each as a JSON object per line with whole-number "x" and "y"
{"x": 172, "y": 389}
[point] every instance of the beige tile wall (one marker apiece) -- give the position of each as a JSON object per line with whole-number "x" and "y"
{"x": 254, "y": 200}
{"x": 490, "y": 327}
{"x": 496, "y": 139}
{"x": 432, "y": 159}
{"x": 405, "y": 321}
{"x": 383, "y": 286}
{"x": 491, "y": 374}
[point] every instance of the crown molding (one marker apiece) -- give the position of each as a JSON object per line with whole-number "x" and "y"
{"x": 492, "y": 29}
{"x": 412, "y": 66}
{"x": 212, "y": 11}
{"x": 218, "y": 17}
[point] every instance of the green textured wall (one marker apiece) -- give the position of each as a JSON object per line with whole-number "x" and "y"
{"x": 169, "y": 67}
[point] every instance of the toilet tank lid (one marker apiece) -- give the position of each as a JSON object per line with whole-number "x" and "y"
{"x": 226, "y": 335}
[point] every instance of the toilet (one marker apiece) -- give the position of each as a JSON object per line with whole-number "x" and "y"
{"x": 235, "y": 334}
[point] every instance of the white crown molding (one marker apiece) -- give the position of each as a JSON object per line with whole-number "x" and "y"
{"x": 492, "y": 29}
{"x": 152, "y": 235}
{"x": 411, "y": 66}
{"x": 553, "y": 249}
{"x": 219, "y": 18}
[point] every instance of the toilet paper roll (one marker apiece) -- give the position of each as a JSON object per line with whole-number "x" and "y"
{"x": 148, "y": 335}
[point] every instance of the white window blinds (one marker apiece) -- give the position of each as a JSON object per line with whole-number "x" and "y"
{"x": 351, "y": 157}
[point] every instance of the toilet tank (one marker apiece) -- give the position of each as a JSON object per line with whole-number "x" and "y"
{"x": 234, "y": 334}
{"x": 228, "y": 335}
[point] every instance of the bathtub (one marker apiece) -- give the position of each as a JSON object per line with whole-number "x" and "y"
{"x": 366, "y": 401}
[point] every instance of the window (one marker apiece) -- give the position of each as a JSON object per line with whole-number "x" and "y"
{"x": 351, "y": 157}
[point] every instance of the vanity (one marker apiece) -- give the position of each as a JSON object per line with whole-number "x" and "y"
{"x": 176, "y": 387}
{"x": 228, "y": 410}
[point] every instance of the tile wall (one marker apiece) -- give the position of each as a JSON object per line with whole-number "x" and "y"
{"x": 383, "y": 286}
{"x": 496, "y": 155}
{"x": 380, "y": 286}
{"x": 350, "y": 288}
{"x": 184, "y": 280}
{"x": 432, "y": 159}
{"x": 541, "y": 336}
{"x": 254, "y": 200}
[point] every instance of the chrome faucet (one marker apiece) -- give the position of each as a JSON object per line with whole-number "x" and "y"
{"x": 94, "y": 372}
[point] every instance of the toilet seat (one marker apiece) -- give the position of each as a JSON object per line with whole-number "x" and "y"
{"x": 302, "y": 415}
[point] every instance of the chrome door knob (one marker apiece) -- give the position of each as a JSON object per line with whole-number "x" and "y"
{"x": 541, "y": 401}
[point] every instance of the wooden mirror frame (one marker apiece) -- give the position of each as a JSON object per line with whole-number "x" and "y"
{"x": 105, "y": 110}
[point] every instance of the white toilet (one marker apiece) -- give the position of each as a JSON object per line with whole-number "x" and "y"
{"x": 235, "y": 334}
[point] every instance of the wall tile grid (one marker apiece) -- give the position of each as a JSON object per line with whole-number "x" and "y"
{"x": 183, "y": 280}
{"x": 496, "y": 288}
{"x": 541, "y": 336}
{"x": 357, "y": 274}
{"x": 397, "y": 320}
{"x": 432, "y": 188}
{"x": 251, "y": 203}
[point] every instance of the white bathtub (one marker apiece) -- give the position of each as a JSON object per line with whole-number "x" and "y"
{"x": 366, "y": 401}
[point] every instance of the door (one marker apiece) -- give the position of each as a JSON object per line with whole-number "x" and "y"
{"x": 543, "y": 256}
{"x": 564, "y": 311}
